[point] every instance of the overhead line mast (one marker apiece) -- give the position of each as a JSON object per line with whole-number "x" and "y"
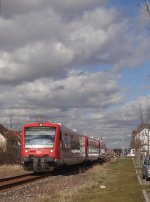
{"x": 0, "y": 7}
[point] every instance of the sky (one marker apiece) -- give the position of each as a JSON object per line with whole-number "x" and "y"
{"x": 82, "y": 63}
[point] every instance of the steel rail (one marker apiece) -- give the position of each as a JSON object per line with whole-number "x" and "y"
{"x": 8, "y": 183}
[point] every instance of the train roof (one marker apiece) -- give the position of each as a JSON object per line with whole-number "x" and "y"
{"x": 53, "y": 123}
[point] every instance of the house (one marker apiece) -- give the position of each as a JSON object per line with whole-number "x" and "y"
{"x": 3, "y": 138}
{"x": 142, "y": 138}
{"x": 10, "y": 142}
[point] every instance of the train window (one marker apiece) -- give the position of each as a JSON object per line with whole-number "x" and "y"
{"x": 66, "y": 143}
{"x": 39, "y": 137}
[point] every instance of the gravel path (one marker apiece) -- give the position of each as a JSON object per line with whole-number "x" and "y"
{"x": 42, "y": 188}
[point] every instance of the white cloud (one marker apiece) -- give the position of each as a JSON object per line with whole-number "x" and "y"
{"x": 45, "y": 48}
{"x": 42, "y": 44}
{"x": 76, "y": 91}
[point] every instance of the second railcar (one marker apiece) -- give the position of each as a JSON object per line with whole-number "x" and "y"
{"x": 93, "y": 149}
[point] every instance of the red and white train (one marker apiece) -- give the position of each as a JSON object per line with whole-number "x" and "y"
{"x": 46, "y": 146}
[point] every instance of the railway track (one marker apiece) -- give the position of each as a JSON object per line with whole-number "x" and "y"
{"x": 8, "y": 183}
{"x": 12, "y": 182}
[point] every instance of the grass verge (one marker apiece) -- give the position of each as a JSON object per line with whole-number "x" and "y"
{"x": 11, "y": 170}
{"x": 119, "y": 179}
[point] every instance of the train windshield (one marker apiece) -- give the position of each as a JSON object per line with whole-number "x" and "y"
{"x": 39, "y": 137}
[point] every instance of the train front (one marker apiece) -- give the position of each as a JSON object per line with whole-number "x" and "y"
{"x": 39, "y": 146}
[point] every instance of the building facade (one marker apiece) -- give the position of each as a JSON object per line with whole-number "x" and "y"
{"x": 10, "y": 142}
{"x": 142, "y": 138}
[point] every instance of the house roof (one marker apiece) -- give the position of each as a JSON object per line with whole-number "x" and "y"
{"x": 8, "y": 134}
{"x": 142, "y": 126}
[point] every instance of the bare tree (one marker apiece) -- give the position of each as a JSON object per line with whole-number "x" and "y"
{"x": 147, "y": 4}
{"x": 12, "y": 122}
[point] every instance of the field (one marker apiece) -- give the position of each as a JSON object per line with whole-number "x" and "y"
{"x": 11, "y": 170}
{"x": 113, "y": 182}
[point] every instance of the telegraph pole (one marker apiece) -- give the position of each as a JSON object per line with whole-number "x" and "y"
{"x": 141, "y": 115}
{"x": 0, "y": 6}
{"x": 148, "y": 141}
{"x": 148, "y": 109}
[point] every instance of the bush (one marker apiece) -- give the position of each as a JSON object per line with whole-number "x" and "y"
{"x": 10, "y": 156}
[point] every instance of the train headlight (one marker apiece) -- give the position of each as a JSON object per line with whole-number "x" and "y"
{"x": 51, "y": 150}
{"x": 26, "y": 151}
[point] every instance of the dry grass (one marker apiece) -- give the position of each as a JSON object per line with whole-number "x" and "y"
{"x": 119, "y": 178}
{"x": 93, "y": 178}
{"x": 11, "y": 170}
